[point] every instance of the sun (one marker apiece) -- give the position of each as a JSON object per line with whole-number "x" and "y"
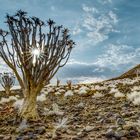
{"x": 36, "y": 52}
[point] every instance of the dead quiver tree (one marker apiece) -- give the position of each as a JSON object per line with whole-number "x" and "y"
{"x": 7, "y": 81}
{"x": 57, "y": 82}
{"x": 33, "y": 55}
{"x": 69, "y": 84}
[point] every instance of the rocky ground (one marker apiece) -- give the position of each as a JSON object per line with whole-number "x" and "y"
{"x": 108, "y": 110}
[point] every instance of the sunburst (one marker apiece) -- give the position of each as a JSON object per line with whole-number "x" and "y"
{"x": 35, "y": 54}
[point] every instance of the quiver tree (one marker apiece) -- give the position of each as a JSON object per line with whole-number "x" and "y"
{"x": 69, "y": 84}
{"x": 57, "y": 82}
{"x": 7, "y": 81}
{"x": 33, "y": 55}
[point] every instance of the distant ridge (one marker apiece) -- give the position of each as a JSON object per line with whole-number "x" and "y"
{"x": 134, "y": 72}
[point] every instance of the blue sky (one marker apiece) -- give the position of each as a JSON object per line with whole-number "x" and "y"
{"x": 106, "y": 32}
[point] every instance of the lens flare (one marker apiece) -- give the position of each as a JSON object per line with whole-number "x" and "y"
{"x": 36, "y": 54}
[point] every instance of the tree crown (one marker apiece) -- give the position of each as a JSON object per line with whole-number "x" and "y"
{"x": 37, "y": 54}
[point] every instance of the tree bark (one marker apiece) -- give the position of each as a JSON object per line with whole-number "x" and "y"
{"x": 7, "y": 90}
{"x": 29, "y": 107}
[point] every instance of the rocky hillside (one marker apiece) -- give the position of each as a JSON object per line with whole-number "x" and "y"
{"x": 134, "y": 72}
{"x": 109, "y": 110}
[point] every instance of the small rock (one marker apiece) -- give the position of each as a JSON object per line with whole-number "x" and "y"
{"x": 97, "y": 95}
{"x": 48, "y": 135}
{"x": 88, "y": 128}
{"x": 69, "y": 93}
{"x": 25, "y": 137}
{"x": 113, "y": 127}
{"x": 110, "y": 133}
{"x": 120, "y": 134}
{"x": 57, "y": 133}
{"x": 126, "y": 104}
{"x": 120, "y": 121}
{"x": 123, "y": 138}
{"x": 81, "y": 134}
{"x": 31, "y": 135}
{"x": 127, "y": 127}
{"x": 61, "y": 129}
{"x": 7, "y": 138}
{"x": 76, "y": 138}
{"x": 80, "y": 105}
{"x": 70, "y": 132}
{"x": 19, "y": 138}
{"x": 133, "y": 133}
{"x": 57, "y": 138}
{"x": 41, "y": 130}
{"x": 1, "y": 137}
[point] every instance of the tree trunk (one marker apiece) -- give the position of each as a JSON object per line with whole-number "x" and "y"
{"x": 29, "y": 107}
{"x": 7, "y": 90}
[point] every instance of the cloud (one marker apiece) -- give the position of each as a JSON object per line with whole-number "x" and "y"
{"x": 4, "y": 67}
{"x": 118, "y": 54}
{"x": 113, "y": 16}
{"x": 75, "y": 62}
{"x": 74, "y": 70}
{"x": 90, "y": 79}
{"x": 95, "y": 25}
{"x": 89, "y": 9}
{"x": 105, "y": 1}
{"x": 76, "y": 30}
{"x": 85, "y": 80}
{"x": 99, "y": 26}
{"x": 116, "y": 59}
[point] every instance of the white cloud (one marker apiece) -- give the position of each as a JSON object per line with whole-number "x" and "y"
{"x": 99, "y": 69}
{"x": 113, "y": 16}
{"x": 116, "y": 55}
{"x": 73, "y": 62}
{"x": 90, "y": 79}
{"x": 105, "y": 1}
{"x": 99, "y": 26}
{"x": 98, "y": 37}
{"x": 89, "y": 9}
{"x": 84, "y": 80}
{"x": 95, "y": 25}
{"x": 76, "y": 30}
{"x": 4, "y": 67}
{"x": 113, "y": 56}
